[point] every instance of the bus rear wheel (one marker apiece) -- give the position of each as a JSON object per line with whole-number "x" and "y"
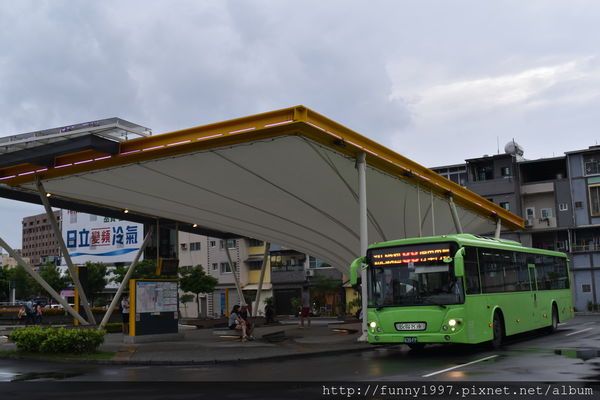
{"x": 498, "y": 330}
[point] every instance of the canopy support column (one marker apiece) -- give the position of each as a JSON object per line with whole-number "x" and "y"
{"x": 126, "y": 278}
{"x": 454, "y": 213}
{"x": 498, "y": 228}
{"x": 64, "y": 251}
{"x": 43, "y": 283}
{"x": 235, "y": 276}
{"x": 432, "y": 216}
{"x": 419, "y": 210}
{"x": 262, "y": 276}
{"x": 361, "y": 164}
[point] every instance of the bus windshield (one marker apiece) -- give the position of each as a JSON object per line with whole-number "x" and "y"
{"x": 420, "y": 274}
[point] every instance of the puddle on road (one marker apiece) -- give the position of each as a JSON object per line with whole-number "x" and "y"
{"x": 582, "y": 354}
{"x": 54, "y": 376}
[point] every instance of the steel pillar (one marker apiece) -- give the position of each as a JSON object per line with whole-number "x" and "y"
{"x": 361, "y": 164}
{"x": 262, "y": 276}
{"x": 125, "y": 280}
{"x": 63, "y": 248}
{"x": 498, "y": 228}
{"x": 235, "y": 277}
{"x": 454, "y": 213}
{"x": 43, "y": 283}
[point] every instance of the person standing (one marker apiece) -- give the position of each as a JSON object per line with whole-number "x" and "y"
{"x": 30, "y": 311}
{"x": 38, "y": 313}
{"x": 305, "y": 310}
{"x": 269, "y": 312}
{"x": 125, "y": 313}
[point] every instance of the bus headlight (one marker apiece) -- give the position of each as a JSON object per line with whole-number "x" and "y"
{"x": 373, "y": 324}
{"x": 452, "y": 323}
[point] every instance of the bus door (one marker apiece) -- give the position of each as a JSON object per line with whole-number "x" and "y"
{"x": 535, "y": 303}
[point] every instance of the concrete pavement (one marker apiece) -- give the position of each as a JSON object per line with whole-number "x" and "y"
{"x": 202, "y": 346}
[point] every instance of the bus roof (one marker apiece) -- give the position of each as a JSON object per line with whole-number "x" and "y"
{"x": 465, "y": 239}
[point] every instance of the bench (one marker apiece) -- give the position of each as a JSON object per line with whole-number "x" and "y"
{"x": 227, "y": 332}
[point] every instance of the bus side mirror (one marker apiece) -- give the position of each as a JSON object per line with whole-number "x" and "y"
{"x": 459, "y": 265}
{"x": 355, "y": 270}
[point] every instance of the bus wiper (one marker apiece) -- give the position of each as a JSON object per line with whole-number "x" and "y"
{"x": 429, "y": 301}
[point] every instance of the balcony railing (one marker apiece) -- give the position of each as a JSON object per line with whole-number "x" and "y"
{"x": 583, "y": 248}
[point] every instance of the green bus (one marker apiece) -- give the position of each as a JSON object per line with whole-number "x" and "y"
{"x": 461, "y": 289}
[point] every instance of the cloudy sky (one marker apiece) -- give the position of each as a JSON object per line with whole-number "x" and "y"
{"x": 437, "y": 81}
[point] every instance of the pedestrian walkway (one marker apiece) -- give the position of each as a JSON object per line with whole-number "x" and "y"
{"x": 201, "y": 346}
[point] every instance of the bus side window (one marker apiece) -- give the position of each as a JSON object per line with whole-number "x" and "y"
{"x": 471, "y": 271}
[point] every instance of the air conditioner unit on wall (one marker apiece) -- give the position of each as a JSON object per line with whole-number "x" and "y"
{"x": 309, "y": 273}
{"x": 528, "y": 222}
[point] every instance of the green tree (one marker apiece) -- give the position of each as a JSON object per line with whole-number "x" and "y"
{"x": 96, "y": 280}
{"x": 24, "y": 283}
{"x": 51, "y": 274}
{"x": 143, "y": 270}
{"x": 323, "y": 288}
{"x": 196, "y": 281}
{"x": 5, "y": 282}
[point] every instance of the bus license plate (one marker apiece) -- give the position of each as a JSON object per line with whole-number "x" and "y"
{"x": 411, "y": 340}
{"x": 411, "y": 326}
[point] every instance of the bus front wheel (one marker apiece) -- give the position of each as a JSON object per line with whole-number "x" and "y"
{"x": 498, "y": 330}
{"x": 554, "y": 323}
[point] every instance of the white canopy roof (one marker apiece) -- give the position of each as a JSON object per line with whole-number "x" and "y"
{"x": 287, "y": 176}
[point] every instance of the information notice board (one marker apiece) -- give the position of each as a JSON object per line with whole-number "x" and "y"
{"x": 154, "y": 308}
{"x": 155, "y": 296}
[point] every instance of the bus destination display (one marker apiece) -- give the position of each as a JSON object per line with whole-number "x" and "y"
{"x": 410, "y": 254}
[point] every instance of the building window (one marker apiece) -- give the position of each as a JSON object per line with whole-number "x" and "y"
{"x": 255, "y": 243}
{"x": 231, "y": 243}
{"x": 591, "y": 164}
{"x": 215, "y": 266}
{"x": 594, "y": 200}
{"x": 314, "y": 262}
{"x": 505, "y": 205}
{"x": 563, "y": 206}
{"x": 579, "y": 204}
{"x": 546, "y": 213}
{"x": 505, "y": 171}
{"x": 213, "y": 243}
{"x": 530, "y": 213}
{"x": 586, "y": 288}
{"x": 195, "y": 246}
{"x": 255, "y": 265}
{"x": 484, "y": 172}
{"x": 183, "y": 246}
{"x": 226, "y": 269}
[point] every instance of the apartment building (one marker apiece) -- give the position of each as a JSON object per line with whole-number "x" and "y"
{"x": 558, "y": 197}
{"x": 39, "y": 242}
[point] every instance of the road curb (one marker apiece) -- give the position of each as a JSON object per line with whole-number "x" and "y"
{"x": 185, "y": 362}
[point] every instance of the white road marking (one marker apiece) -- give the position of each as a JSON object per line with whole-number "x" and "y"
{"x": 459, "y": 366}
{"x": 576, "y": 332}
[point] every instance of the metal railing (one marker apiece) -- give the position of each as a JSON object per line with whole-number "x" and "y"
{"x": 582, "y": 248}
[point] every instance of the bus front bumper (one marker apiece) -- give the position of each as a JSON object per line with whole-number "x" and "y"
{"x": 417, "y": 337}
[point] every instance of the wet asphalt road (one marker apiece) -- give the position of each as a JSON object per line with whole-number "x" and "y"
{"x": 572, "y": 353}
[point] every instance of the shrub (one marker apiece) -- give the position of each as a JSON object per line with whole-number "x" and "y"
{"x": 52, "y": 340}
{"x": 114, "y": 327}
{"x": 52, "y": 311}
{"x": 29, "y": 339}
